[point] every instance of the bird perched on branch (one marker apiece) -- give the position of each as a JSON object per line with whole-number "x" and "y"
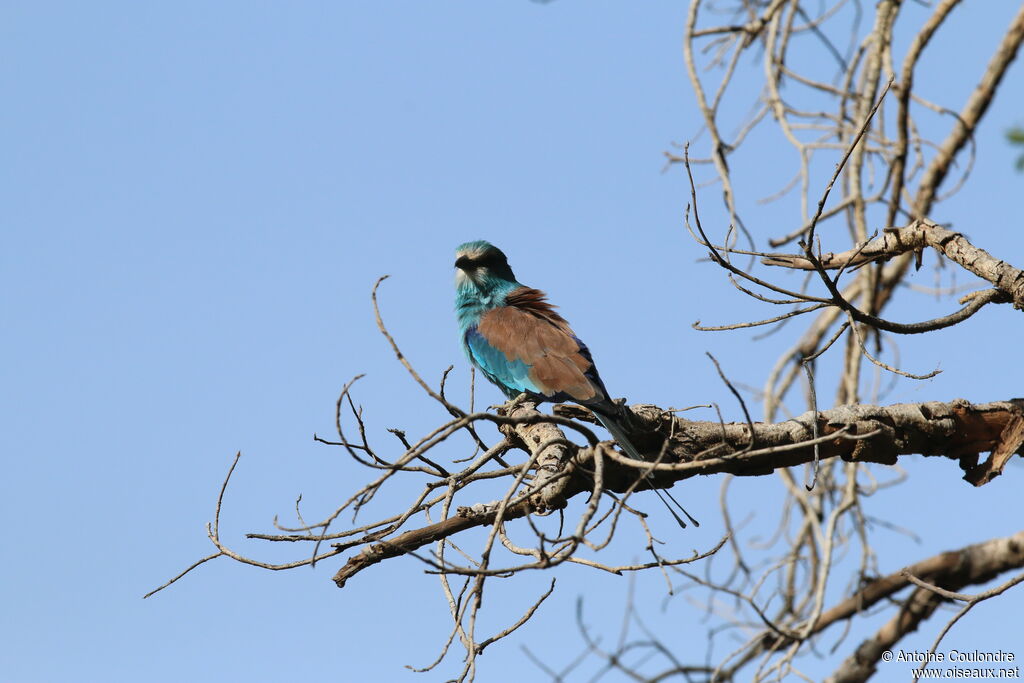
{"x": 517, "y": 340}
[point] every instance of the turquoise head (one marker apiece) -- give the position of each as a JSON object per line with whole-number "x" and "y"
{"x": 482, "y": 280}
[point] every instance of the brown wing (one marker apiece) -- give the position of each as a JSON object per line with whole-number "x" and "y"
{"x": 528, "y": 329}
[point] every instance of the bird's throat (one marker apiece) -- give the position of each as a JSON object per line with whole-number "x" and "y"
{"x": 474, "y": 297}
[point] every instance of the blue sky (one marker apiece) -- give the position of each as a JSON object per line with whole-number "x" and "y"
{"x": 197, "y": 200}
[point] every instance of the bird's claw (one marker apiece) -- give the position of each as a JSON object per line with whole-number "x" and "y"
{"x": 512, "y": 404}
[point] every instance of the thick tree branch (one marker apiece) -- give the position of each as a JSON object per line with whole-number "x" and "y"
{"x": 863, "y": 433}
{"x": 859, "y": 433}
{"x": 895, "y": 241}
{"x": 975, "y": 564}
{"x": 935, "y": 569}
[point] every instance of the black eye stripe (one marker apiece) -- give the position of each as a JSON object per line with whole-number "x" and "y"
{"x": 485, "y": 260}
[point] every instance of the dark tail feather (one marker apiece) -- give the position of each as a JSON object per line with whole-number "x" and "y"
{"x": 616, "y": 431}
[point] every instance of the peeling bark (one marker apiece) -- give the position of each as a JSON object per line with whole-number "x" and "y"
{"x": 958, "y": 430}
{"x": 918, "y": 235}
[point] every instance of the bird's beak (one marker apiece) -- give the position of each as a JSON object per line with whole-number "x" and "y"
{"x": 462, "y": 262}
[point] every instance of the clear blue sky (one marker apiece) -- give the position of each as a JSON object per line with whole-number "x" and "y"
{"x": 196, "y": 200}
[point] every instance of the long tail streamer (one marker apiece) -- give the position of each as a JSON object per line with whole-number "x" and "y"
{"x": 616, "y": 431}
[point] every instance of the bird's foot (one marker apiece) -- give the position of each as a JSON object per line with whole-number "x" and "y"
{"x": 507, "y": 407}
{"x": 573, "y": 411}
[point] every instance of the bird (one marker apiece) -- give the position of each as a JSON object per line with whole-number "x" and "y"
{"x": 514, "y": 336}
